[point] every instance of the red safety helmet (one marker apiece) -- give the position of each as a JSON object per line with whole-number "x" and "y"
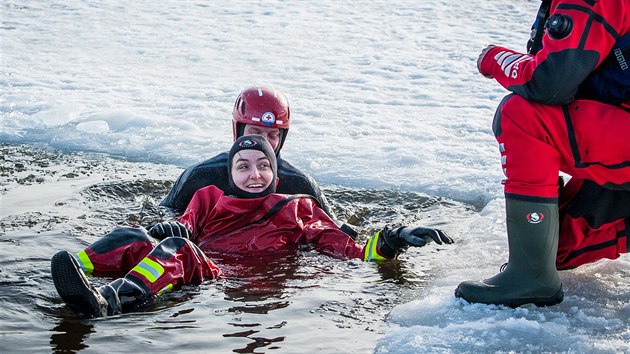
{"x": 262, "y": 106}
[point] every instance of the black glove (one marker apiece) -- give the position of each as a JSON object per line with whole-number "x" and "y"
{"x": 169, "y": 229}
{"x": 393, "y": 241}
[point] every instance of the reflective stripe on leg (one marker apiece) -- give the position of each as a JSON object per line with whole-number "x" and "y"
{"x": 85, "y": 262}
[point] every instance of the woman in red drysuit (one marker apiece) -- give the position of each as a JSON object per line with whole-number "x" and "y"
{"x": 251, "y": 221}
{"x": 569, "y": 111}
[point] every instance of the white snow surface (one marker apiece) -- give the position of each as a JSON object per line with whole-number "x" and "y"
{"x": 384, "y": 94}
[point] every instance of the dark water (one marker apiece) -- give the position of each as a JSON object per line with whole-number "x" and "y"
{"x": 291, "y": 303}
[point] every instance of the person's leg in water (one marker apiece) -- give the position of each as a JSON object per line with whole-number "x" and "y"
{"x": 172, "y": 263}
{"x": 536, "y": 143}
{"x": 116, "y": 252}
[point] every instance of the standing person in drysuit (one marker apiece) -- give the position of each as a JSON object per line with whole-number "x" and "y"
{"x": 569, "y": 112}
{"x": 251, "y": 220}
{"x": 261, "y": 110}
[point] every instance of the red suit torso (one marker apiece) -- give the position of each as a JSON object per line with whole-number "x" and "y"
{"x": 225, "y": 224}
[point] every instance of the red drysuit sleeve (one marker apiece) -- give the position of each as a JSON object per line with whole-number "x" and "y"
{"x": 319, "y": 229}
{"x": 553, "y": 75}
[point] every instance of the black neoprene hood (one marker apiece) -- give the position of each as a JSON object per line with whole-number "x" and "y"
{"x": 252, "y": 142}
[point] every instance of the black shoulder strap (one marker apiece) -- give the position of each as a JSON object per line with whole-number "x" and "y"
{"x": 538, "y": 29}
{"x": 274, "y": 209}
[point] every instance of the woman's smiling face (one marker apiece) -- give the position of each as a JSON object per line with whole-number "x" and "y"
{"x": 251, "y": 171}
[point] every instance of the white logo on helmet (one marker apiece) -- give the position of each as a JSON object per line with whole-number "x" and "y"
{"x": 268, "y": 118}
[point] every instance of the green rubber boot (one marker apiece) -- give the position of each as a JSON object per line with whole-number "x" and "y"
{"x": 530, "y": 275}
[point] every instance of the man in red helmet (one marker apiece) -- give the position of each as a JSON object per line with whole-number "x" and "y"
{"x": 257, "y": 110}
{"x": 569, "y": 111}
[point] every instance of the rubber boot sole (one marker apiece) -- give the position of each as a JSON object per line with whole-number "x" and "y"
{"x": 73, "y": 286}
{"x": 513, "y": 303}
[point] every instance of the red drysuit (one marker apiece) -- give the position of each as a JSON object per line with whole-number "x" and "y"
{"x": 594, "y": 223}
{"x": 543, "y": 129}
{"x": 225, "y": 224}
{"x": 220, "y": 225}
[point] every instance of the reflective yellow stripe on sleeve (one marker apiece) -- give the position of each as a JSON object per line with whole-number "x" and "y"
{"x": 370, "y": 249}
{"x": 150, "y": 269}
{"x": 85, "y": 262}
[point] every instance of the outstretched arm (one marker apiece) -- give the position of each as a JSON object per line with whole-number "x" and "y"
{"x": 578, "y": 36}
{"x": 389, "y": 243}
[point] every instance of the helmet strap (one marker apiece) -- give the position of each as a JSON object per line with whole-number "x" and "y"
{"x": 283, "y": 136}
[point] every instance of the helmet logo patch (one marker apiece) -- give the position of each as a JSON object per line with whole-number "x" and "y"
{"x": 268, "y": 118}
{"x": 535, "y": 217}
{"x": 248, "y": 143}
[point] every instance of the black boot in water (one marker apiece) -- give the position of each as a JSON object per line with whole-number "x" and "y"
{"x": 74, "y": 287}
{"x": 530, "y": 276}
{"x": 121, "y": 295}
